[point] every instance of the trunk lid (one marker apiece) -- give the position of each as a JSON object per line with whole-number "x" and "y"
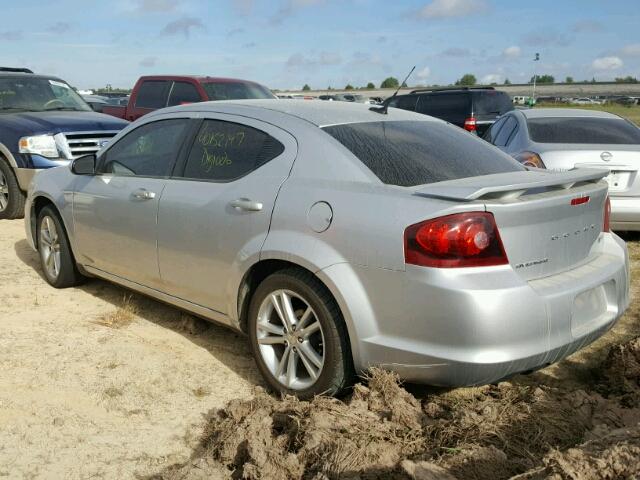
{"x": 543, "y": 233}
{"x": 622, "y": 161}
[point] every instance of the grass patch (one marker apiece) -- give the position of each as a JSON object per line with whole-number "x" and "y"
{"x": 123, "y": 315}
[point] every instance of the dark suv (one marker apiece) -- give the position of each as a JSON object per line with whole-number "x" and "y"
{"x": 44, "y": 123}
{"x": 472, "y": 108}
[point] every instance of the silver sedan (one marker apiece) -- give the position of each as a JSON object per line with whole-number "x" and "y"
{"x": 339, "y": 238}
{"x": 560, "y": 139}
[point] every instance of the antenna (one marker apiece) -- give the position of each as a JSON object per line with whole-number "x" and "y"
{"x": 383, "y": 108}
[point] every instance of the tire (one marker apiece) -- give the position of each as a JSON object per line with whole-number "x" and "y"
{"x": 322, "y": 336}
{"x": 56, "y": 259}
{"x": 11, "y": 197}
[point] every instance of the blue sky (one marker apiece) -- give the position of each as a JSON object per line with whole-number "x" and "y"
{"x": 287, "y": 43}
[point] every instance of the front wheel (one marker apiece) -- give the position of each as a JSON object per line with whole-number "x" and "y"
{"x": 56, "y": 258}
{"x": 298, "y": 336}
{"x": 11, "y": 197}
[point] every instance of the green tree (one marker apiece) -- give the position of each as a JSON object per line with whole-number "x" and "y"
{"x": 627, "y": 79}
{"x": 507, "y": 81}
{"x": 568, "y": 80}
{"x": 370, "y": 86}
{"x": 348, "y": 87}
{"x": 306, "y": 88}
{"x": 390, "y": 82}
{"x": 467, "y": 80}
{"x": 543, "y": 79}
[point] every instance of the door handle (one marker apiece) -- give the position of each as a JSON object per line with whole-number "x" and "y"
{"x": 247, "y": 205}
{"x": 143, "y": 194}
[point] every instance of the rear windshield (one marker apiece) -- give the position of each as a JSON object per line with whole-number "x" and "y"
{"x": 613, "y": 131}
{"x": 491, "y": 102}
{"x": 409, "y": 153}
{"x": 235, "y": 91}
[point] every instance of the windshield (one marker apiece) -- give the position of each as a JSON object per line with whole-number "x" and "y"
{"x": 33, "y": 94}
{"x": 409, "y": 153}
{"x": 235, "y": 91}
{"x": 612, "y": 131}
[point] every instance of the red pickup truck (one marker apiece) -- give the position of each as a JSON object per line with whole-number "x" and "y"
{"x": 158, "y": 91}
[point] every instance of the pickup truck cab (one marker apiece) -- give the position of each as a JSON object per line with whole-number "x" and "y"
{"x": 159, "y": 91}
{"x": 44, "y": 123}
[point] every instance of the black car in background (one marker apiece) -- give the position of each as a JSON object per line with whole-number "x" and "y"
{"x": 473, "y": 108}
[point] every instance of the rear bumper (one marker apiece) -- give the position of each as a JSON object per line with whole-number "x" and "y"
{"x": 479, "y": 326}
{"x": 625, "y": 213}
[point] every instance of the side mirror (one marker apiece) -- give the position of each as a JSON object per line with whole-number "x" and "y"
{"x": 85, "y": 165}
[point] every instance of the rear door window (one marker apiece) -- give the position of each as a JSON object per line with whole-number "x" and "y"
{"x": 493, "y": 132}
{"x": 409, "y": 153}
{"x": 506, "y": 132}
{"x": 183, "y": 92}
{"x": 236, "y": 91}
{"x": 612, "y": 131}
{"x": 153, "y": 94}
{"x": 224, "y": 151}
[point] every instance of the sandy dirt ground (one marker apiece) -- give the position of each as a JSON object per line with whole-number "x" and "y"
{"x": 97, "y": 382}
{"x": 79, "y": 399}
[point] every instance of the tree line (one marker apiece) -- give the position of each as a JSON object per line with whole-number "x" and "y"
{"x": 470, "y": 80}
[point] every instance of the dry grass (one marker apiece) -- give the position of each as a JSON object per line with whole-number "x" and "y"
{"x": 122, "y": 316}
{"x": 201, "y": 392}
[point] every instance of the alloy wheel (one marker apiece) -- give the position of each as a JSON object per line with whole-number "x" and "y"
{"x": 50, "y": 247}
{"x": 290, "y": 339}
{"x": 4, "y": 192}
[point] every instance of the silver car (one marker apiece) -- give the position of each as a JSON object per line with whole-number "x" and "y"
{"x": 339, "y": 238}
{"x": 561, "y": 139}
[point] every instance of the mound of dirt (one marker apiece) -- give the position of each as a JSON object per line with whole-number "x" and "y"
{"x": 614, "y": 456}
{"x": 494, "y": 432}
{"x": 621, "y": 372}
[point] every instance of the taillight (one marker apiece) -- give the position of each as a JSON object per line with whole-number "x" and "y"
{"x": 470, "y": 124}
{"x": 606, "y": 222}
{"x": 468, "y": 239}
{"x": 530, "y": 159}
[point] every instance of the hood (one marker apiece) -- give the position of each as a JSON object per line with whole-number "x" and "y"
{"x": 36, "y": 123}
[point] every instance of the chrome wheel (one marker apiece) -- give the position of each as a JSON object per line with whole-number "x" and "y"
{"x": 4, "y": 192}
{"x": 290, "y": 339}
{"x": 50, "y": 247}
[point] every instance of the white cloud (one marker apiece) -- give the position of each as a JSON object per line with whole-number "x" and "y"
{"x": 491, "y": 78}
{"x": 632, "y": 50}
{"x": 512, "y": 52}
{"x": 607, "y": 63}
{"x": 452, "y": 8}
{"x": 424, "y": 73}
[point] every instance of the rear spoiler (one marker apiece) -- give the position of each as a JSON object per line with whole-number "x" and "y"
{"x": 510, "y": 184}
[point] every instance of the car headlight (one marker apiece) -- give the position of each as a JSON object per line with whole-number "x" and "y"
{"x": 44, "y": 145}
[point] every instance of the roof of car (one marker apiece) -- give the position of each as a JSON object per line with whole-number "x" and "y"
{"x": 564, "y": 112}
{"x": 317, "y": 112}
{"x": 29, "y": 75}
{"x": 197, "y": 78}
